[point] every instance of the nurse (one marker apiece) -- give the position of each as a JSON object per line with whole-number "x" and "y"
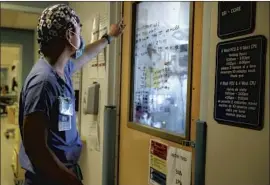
{"x": 51, "y": 144}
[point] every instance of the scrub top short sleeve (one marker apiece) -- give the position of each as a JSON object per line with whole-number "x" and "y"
{"x": 39, "y": 99}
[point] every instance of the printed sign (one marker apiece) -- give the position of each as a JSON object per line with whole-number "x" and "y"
{"x": 158, "y": 163}
{"x": 235, "y": 18}
{"x": 240, "y": 78}
{"x": 178, "y": 167}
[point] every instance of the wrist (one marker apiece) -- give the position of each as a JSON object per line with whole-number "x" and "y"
{"x": 108, "y": 37}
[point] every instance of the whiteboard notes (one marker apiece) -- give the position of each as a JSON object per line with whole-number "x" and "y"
{"x": 179, "y": 167}
{"x": 161, "y": 65}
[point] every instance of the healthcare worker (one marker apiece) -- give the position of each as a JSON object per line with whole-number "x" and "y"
{"x": 51, "y": 143}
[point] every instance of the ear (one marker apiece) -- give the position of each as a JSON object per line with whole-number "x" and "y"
{"x": 68, "y": 35}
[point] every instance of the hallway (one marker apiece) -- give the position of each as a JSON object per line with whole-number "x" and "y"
{"x": 7, "y": 146}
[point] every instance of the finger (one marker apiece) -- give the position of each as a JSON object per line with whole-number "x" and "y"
{"x": 122, "y": 26}
{"x": 122, "y": 30}
{"x": 121, "y": 21}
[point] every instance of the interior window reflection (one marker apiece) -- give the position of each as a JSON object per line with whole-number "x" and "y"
{"x": 161, "y": 66}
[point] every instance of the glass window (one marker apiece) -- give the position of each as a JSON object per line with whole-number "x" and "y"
{"x": 160, "y": 83}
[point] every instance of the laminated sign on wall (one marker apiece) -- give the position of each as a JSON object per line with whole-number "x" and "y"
{"x": 168, "y": 165}
{"x": 94, "y": 37}
{"x": 103, "y": 23}
{"x": 157, "y": 163}
{"x": 93, "y": 140}
{"x": 178, "y": 167}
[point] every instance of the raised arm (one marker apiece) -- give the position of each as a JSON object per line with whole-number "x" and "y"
{"x": 93, "y": 49}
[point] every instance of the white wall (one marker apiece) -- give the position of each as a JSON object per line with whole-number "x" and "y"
{"x": 234, "y": 156}
{"x": 91, "y": 160}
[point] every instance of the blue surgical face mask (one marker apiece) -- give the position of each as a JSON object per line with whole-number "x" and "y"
{"x": 80, "y": 50}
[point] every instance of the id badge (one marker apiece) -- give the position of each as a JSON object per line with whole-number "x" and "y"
{"x": 65, "y": 106}
{"x": 64, "y": 122}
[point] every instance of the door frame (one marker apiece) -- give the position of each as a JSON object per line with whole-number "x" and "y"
{"x": 114, "y": 75}
{"x": 134, "y": 145}
{"x": 165, "y": 134}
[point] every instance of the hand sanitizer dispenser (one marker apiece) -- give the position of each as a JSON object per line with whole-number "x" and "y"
{"x": 92, "y": 102}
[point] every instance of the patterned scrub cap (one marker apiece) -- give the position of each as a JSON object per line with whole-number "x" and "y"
{"x": 54, "y": 21}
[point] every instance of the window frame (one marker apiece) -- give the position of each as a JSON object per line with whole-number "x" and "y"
{"x": 148, "y": 129}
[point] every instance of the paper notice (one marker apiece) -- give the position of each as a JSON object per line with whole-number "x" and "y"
{"x": 103, "y": 28}
{"x": 178, "y": 167}
{"x": 93, "y": 65}
{"x": 95, "y": 28}
{"x": 103, "y": 23}
{"x": 93, "y": 139}
{"x": 157, "y": 163}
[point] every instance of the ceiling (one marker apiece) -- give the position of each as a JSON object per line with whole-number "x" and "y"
{"x": 10, "y": 55}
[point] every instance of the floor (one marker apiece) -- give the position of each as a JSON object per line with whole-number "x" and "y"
{"x": 6, "y": 153}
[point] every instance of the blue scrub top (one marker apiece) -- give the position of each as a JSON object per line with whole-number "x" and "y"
{"x": 40, "y": 93}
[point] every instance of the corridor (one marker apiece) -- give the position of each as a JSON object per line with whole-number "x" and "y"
{"x": 7, "y": 149}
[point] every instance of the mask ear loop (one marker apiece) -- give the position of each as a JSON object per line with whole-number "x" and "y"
{"x": 41, "y": 54}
